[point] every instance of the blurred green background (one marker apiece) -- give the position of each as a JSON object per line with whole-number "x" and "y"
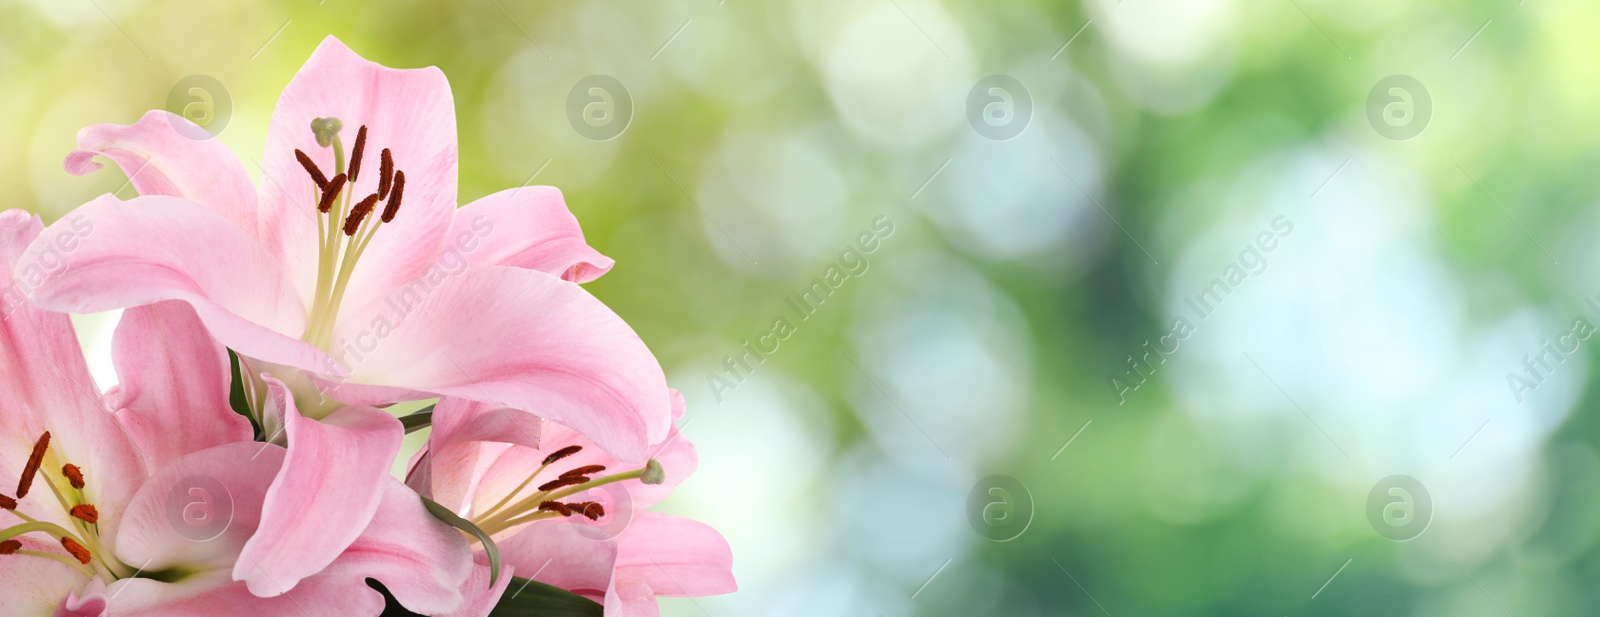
{"x": 1440, "y": 233}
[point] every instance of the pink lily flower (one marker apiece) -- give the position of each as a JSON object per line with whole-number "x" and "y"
{"x": 567, "y": 514}
{"x": 146, "y": 511}
{"x": 357, "y": 280}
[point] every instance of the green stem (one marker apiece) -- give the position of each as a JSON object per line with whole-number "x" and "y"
{"x": 73, "y": 563}
{"x": 55, "y": 531}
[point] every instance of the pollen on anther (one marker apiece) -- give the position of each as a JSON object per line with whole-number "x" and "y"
{"x": 562, "y": 453}
{"x": 331, "y": 193}
{"x": 78, "y": 551}
{"x": 593, "y": 510}
{"x": 562, "y": 481}
{"x": 555, "y": 506}
{"x": 311, "y": 168}
{"x": 359, "y": 213}
{"x": 7, "y": 503}
{"x": 399, "y": 188}
{"x": 385, "y": 173}
{"x": 32, "y": 468}
{"x": 86, "y": 513}
{"x": 10, "y": 547}
{"x": 586, "y": 470}
{"x": 74, "y": 475}
{"x": 355, "y": 153}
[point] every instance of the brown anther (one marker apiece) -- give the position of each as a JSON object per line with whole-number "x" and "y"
{"x": 311, "y": 168}
{"x": 592, "y": 510}
{"x": 355, "y": 153}
{"x": 7, "y": 503}
{"x": 10, "y": 547}
{"x": 586, "y": 470}
{"x": 385, "y": 173}
{"x": 359, "y": 213}
{"x": 562, "y": 481}
{"x": 331, "y": 193}
{"x": 78, "y": 551}
{"x": 562, "y": 453}
{"x": 32, "y": 468}
{"x": 86, "y": 513}
{"x": 393, "y": 206}
{"x": 74, "y": 475}
{"x": 555, "y": 506}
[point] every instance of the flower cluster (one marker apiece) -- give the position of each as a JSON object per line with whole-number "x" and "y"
{"x": 241, "y": 466}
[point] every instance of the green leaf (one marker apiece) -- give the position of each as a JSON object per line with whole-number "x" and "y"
{"x": 444, "y": 514}
{"x": 391, "y": 606}
{"x": 526, "y": 598}
{"x": 418, "y": 420}
{"x": 522, "y": 598}
{"x": 236, "y": 396}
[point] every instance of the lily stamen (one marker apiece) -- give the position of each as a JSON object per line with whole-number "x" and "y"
{"x": 77, "y": 550}
{"x": 562, "y": 453}
{"x": 336, "y": 260}
{"x": 74, "y": 475}
{"x": 14, "y": 547}
{"x": 82, "y": 541}
{"x": 355, "y": 153}
{"x": 393, "y": 206}
{"x": 331, "y": 193}
{"x": 546, "y": 502}
{"x": 587, "y": 470}
{"x": 86, "y": 513}
{"x": 32, "y": 468}
{"x": 359, "y": 214}
{"x": 311, "y": 168}
{"x": 385, "y": 173}
{"x": 561, "y": 482}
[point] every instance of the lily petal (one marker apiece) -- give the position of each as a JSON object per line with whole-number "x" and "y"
{"x": 631, "y": 598}
{"x": 528, "y": 227}
{"x": 160, "y": 160}
{"x": 676, "y": 454}
{"x": 456, "y": 458}
{"x": 425, "y": 561}
{"x": 92, "y": 602}
{"x": 675, "y": 556}
{"x": 220, "y": 493}
{"x": 409, "y": 111}
{"x": 173, "y": 394}
{"x": 461, "y": 421}
{"x": 513, "y": 338}
{"x": 421, "y": 560}
{"x": 477, "y": 475}
{"x": 556, "y": 553}
{"x": 198, "y": 512}
{"x": 214, "y": 593}
{"x": 150, "y": 249}
{"x": 481, "y": 597}
{"x": 36, "y": 586}
{"x": 324, "y": 496}
{"x": 45, "y": 386}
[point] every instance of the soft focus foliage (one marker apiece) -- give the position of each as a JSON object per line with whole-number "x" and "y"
{"x": 980, "y": 335}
